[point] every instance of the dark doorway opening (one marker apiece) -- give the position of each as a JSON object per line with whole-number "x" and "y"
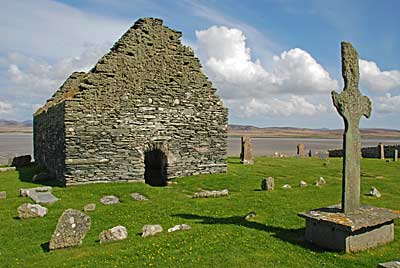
{"x": 155, "y": 168}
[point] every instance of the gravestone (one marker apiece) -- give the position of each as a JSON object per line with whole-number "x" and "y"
{"x": 41, "y": 195}
{"x": 246, "y": 155}
{"x": 381, "y": 149}
{"x": 113, "y": 234}
{"x": 268, "y": 184}
{"x": 300, "y": 150}
{"x": 27, "y": 210}
{"x": 350, "y": 227}
{"x": 396, "y": 155}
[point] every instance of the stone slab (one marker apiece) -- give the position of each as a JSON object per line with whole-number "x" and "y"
{"x": 390, "y": 264}
{"x": 43, "y": 197}
{"x": 366, "y": 228}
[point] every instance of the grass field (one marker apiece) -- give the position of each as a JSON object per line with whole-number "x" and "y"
{"x": 220, "y": 237}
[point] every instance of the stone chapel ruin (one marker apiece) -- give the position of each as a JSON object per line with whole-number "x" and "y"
{"x": 145, "y": 112}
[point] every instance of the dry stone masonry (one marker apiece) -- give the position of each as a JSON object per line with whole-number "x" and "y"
{"x": 145, "y": 112}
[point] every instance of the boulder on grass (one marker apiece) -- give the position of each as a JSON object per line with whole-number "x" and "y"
{"x": 151, "y": 229}
{"x": 113, "y": 234}
{"x": 109, "y": 200}
{"x": 27, "y": 210}
{"x": 71, "y": 229}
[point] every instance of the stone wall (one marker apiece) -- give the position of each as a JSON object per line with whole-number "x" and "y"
{"x": 147, "y": 93}
{"x": 48, "y": 140}
{"x": 369, "y": 152}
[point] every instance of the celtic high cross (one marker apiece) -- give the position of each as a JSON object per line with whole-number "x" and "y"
{"x": 351, "y": 105}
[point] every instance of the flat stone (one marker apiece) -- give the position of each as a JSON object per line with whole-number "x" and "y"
{"x": 214, "y": 193}
{"x": 268, "y": 184}
{"x": 151, "y": 229}
{"x": 71, "y": 229}
{"x": 286, "y": 186}
{"x": 26, "y": 192}
{"x": 113, "y": 234}
{"x": 27, "y": 210}
{"x": 139, "y": 197}
{"x": 179, "y": 227}
{"x": 303, "y": 184}
{"x": 43, "y": 197}
{"x": 390, "y": 264}
{"x": 4, "y": 169}
{"x": 89, "y": 207}
{"x": 374, "y": 192}
{"x": 109, "y": 200}
{"x": 3, "y": 195}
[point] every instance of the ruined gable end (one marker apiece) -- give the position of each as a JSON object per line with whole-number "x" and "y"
{"x": 144, "y": 112}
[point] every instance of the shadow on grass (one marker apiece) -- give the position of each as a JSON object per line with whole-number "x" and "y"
{"x": 27, "y": 172}
{"x": 293, "y": 236}
{"x": 45, "y": 247}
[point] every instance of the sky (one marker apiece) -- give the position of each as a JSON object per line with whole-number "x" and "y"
{"x": 273, "y": 62}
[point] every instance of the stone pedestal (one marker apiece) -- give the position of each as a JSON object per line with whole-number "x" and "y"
{"x": 366, "y": 228}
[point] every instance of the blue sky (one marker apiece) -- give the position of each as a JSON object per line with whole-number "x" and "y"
{"x": 273, "y": 62}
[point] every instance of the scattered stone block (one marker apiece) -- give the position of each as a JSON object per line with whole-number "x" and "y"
{"x": 109, "y": 200}
{"x": 250, "y": 215}
{"x": 41, "y": 195}
{"x": 26, "y": 192}
{"x": 180, "y": 227}
{"x": 390, "y": 264}
{"x": 3, "y": 195}
{"x": 374, "y": 192}
{"x": 4, "y": 169}
{"x": 320, "y": 181}
{"x": 303, "y": 184}
{"x": 286, "y": 186}
{"x": 214, "y": 193}
{"x": 139, "y": 197}
{"x": 21, "y": 161}
{"x": 151, "y": 229}
{"x": 268, "y": 184}
{"x": 71, "y": 229}
{"x": 113, "y": 234}
{"x": 27, "y": 210}
{"x": 42, "y": 176}
{"x": 89, "y": 207}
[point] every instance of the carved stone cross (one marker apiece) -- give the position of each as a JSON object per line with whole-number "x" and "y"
{"x": 351, "y": 105}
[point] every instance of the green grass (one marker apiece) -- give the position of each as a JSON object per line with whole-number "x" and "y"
{"x": 219, "y": 236}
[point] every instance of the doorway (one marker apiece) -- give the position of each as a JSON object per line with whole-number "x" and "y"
{"x": 155, "y": 168}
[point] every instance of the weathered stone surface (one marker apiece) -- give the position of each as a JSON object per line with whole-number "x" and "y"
{"x": 42, "y": 176}
{"x": 3, "y": 194}
{"x": 303, "y": 184}
{"x": 395, "y": 155}
{"x": 300, "y": 150}
{"x": 151, "y": 229}
{"x": 148, "y": 94}
{"x": 28, "y": 191}
{"x": 390, "y": 264}
{"x": 71, "y": 229}
{"x": 21, "y": 161}
{"x": 286, "y": 186}
{"x": 138, "y": 197}
{"x": 213, "y": 193}
{"x": 250, "y": 215}
{"x": 179, "y": 227}
{"x": 109, "y": 200}
{"x": 246, "y": 155}
{"x": 27, "y": 210}
{"x": 381, "y": 151}
{"x": 374, "y": 192}
{"x": 351, "y": 105}
{"x": 320, "y": 181}
{"x": 4, "y": 169}
{"x": 113, "y": 234}
{"x": 268, "y": 184}
{"x": 89, "y": 207}
{"x": 41, "y": 195}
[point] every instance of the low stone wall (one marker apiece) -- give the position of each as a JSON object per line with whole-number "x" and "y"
{"x": 369, "y": 152}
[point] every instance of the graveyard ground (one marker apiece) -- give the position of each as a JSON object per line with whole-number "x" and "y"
{"x": 220, "y": 237}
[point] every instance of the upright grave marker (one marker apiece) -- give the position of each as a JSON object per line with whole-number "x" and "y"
{"x": 246, "y": 155}
{"x": 350, "y": 227}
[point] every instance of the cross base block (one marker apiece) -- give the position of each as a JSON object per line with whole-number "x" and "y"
{"x": 368, "y": 227}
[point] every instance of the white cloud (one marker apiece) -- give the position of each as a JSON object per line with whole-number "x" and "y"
{"x": 5, "y": 108}
{"x": 374, "y": 79}
{"x": 387, "y": 104}
{"x": 245, "y": 83}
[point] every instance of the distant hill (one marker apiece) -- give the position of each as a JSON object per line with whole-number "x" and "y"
{"x": 291, "y": 132}
{"x": 10, "y": 126}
